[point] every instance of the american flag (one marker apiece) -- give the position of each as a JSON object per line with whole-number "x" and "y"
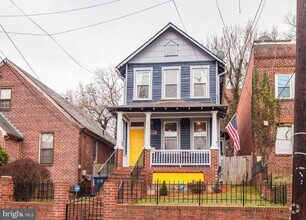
{"x": 232, "y": 130}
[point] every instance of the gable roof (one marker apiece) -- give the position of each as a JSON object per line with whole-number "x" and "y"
{"x": 74, "y": 113}
{"x": 169, "y": 26}
{"x": 9, "y": 128}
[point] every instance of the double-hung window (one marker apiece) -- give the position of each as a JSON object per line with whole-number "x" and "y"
{"x": 199, "y": 81}
{"x": 171, "y": 83}
{"x": 171, "y": 135}
{"x": 200, "y": 135}
{"x": 143, "y": 83}
{"x": 46, "y": 148}
{"x": 5, "y": 98}
{"x": 283, "y": 86}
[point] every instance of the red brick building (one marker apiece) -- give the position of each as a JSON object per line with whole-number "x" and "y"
{"x": 277, "y": 59}
{"x": 37, "y": 123}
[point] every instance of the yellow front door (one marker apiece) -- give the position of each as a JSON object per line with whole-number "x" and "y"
{"x": 136, "y": 144}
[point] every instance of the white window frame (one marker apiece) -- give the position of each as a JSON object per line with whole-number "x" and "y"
{"x": 178, "y": 133}
{"x": 178, "y": 91}
{"x": 192, "y": 83}
{"x": 292, "y": 139}
{"x": 192, "y": 121}
{"x": 10, "y": 99}
{"x": 289, "y": 84}
{"x": 40, "y": 148}
{"x": 150, "y": 83}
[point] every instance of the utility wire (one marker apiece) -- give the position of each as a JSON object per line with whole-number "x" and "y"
{"x": 178, "y": 12}
{"x": 60, "y": 12}
{"x": 19, "y": 52}
{"x": 91, "y": 25}
{"x": 63, "y": 49}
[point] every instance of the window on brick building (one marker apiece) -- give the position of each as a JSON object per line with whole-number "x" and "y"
{"x": 5, "y": 98}
{"x": 46, "y": 148}
{"x": 283, "y": 86}
{"x": 284, "y": 143}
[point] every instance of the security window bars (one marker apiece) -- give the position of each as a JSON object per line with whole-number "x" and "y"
{"x": 5, "y": 98}
{"x": 46, "y": 148}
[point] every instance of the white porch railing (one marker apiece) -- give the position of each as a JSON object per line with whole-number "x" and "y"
{"x": 180, "y": 157}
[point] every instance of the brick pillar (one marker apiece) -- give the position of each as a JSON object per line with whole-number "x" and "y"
{"x": 147, "y": 159}
{"x": 119, "y": 157}
{"x": 214, "y": 164}
{"x": 6, "y": 190}
{"x": 109, "y": 194}
{"x": 289, "y": 194}
{"x": 61, "y": 198}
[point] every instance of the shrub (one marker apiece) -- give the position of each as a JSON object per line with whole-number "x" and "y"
{"x": 4, "y": 156}
{"x": 25, "y": 170}
{"x": 163, "y": 191}
{"x": 27, "y": 176}
{"x": 196, "y": 187}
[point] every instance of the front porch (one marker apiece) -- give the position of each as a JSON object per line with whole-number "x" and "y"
{"x": 169, "y": 137}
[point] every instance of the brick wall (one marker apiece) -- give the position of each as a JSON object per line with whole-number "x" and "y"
{"x": 271, "y": 58}
{"x": 197, "y": 213}
{"x": 44, "y": 210}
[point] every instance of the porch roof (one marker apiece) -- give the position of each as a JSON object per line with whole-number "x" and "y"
{"x": 10, "y": 129}
{"x": 170, "y": 106}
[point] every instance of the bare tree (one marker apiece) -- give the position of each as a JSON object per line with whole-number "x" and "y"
{"x": 94, "y": 98}
{"x": 290, "y": 20}
{"x": 236, "y": 42}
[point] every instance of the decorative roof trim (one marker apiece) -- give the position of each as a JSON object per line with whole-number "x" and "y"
{"x": 163, "y": 30}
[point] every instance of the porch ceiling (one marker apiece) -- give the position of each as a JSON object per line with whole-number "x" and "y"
{"x": 173, "y": 107}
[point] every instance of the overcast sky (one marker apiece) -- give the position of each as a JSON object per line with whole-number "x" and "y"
{"x": 110, "y": 42}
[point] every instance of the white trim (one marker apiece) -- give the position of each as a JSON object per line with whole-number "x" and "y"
{"x": 178, "y": 91}
{"x": 192, "y": 121}
{"x": 192, "y": 83}
{"x": 291, "y": 84}
{"x": 163, "y": 133}
{"x": 169, "y": 25}
{"x": 150, "y": 69}
{"x": 125, "y": 84}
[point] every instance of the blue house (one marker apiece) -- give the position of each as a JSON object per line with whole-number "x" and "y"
{"x": 170, "y": 120}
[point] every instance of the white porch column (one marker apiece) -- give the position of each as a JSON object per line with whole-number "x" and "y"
{"x": 119, "y": 131}
{"x": 147, "y": 143}
{"x": 214, "y": 132}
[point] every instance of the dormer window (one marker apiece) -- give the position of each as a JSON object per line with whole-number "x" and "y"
{"x": 171, "y": 48}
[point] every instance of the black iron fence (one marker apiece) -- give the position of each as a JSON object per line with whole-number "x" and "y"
{"x": 83, "y": 205}
{"x": 203, "y": 193}
{"x": 33, "y": 191}
{"x": 137, "y": 168}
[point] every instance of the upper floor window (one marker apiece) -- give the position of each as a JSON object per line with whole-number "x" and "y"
{"x": 199, "y": 82}
{"x": 171, "y": 48}
{"x": 5, "y": 98}
{"x": 143, "y": 84}
{"x": 283, "y": 86}
{"x": 46, "y": 148}
{"x": 171, "y": 83}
